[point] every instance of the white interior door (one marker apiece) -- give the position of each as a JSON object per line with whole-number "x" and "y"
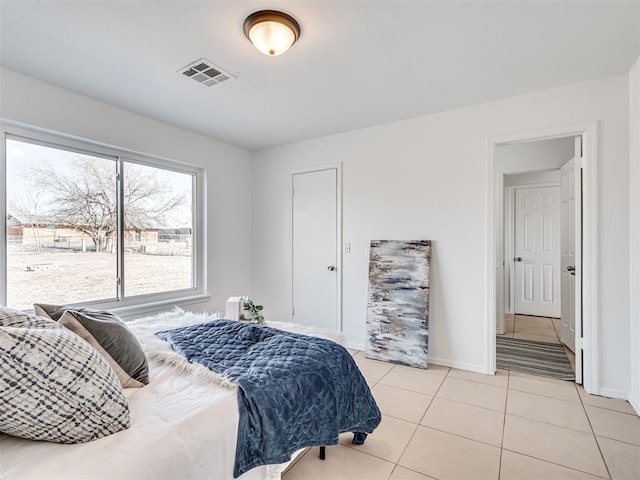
{"x": 315, "y": 248}
{"x": 537, "y": 251}
{"x": 570, "y": 184}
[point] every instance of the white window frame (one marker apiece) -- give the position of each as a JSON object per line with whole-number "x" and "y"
{"x": 137, "y": 304}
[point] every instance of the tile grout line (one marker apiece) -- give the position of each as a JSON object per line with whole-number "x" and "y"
{"x": 610, "y": 409}
{"x": 595, "y": 437}
{"x": 528, "y": 455}
{"x": 419, "y": 424}
{"x": 548, "y": 396}
{"x": 294, "y": 463}
{"x": 504, "y": 423}
{"x": 618, "y": 440}
{"x": 420, "y": 420}
{"x": 550, "y": 319}
{"x": 388, "y": 372}
{"x": 477, "y": 381}
{"x": 552, "y": 424}
{"x": 542, "y": 459}
{"x": 469, "y": 404}
{"x": 380, "y": 458}
{"x": 407, "y": 445}
{"x": 411, "y": 470}
{"x": 458, "y": 435}
{"x": 355, "y": 449}
{"x": 434, "y": 396}
{"x": 407, "y": 389}
{"x": 396, "y": 464}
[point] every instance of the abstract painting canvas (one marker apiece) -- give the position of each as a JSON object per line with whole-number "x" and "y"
{"x": 398, "y": 306}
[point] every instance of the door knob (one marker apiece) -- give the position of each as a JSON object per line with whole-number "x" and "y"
{"x": 571, "y": 268}
{"x": 518, "y": 259}
{"x": 331, "y": 268}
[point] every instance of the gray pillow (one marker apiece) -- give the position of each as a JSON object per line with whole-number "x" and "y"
{"x": 109, "y": 335}
{"x": 54, "y": 312}
{"x": 56, "y": 387}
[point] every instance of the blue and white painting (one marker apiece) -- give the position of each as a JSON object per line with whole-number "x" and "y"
{"x": 398, "y": 306}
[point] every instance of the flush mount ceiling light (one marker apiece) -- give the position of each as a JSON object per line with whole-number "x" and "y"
{"x": 271, "y": 32}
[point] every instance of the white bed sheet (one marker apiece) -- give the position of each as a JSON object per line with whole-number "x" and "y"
{"x": 182, "y": 428}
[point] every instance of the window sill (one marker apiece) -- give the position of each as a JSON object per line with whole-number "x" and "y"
{"x": 134, "y": 311}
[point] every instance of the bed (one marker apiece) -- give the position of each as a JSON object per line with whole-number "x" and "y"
{"x": 183, "y": 424}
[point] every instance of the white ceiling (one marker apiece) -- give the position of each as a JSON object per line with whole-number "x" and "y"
{"x": 357, "y": 64}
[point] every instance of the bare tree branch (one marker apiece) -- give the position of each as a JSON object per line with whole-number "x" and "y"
{"x": 85, "y": 198}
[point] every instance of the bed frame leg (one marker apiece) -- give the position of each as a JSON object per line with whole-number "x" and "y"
{"x": 322, "y": 453}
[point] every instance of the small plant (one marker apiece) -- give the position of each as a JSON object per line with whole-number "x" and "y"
{"x": 254, "y": 311}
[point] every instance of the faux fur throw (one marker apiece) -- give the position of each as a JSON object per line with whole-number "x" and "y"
{"x": 156, "y": 349}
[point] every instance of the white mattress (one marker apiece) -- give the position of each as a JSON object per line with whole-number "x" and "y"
{"x": 181, "y": 428}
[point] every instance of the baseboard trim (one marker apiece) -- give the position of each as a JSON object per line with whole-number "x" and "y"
{"x": 635, "y": 403}
{"x": 355, "y": 346}
{"x": 471, "y": 367}
{"x": 612, "y": 393}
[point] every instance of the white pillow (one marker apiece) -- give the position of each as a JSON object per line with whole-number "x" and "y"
{"x": 54, "y": 386}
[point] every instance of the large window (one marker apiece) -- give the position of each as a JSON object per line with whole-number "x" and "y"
{"x": 86, "y": 226}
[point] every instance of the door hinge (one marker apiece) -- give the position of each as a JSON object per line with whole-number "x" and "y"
{"x": 293, "y": 311}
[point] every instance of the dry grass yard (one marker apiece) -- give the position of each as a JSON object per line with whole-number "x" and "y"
{"x": 72, "y": 277}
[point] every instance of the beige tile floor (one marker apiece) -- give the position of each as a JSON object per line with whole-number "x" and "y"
{"x": 541, "y": 329}
{"x": 449, "y": 424}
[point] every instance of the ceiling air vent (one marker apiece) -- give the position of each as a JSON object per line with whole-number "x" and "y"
{"x": 206, "y": 73}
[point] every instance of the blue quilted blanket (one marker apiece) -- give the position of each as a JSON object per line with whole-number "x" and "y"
{"x": 294, "y": 391}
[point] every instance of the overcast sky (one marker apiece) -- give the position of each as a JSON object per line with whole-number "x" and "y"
{"x": 23, "y": 156}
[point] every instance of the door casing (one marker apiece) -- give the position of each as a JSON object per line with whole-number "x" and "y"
{"x": 586, "y": 276}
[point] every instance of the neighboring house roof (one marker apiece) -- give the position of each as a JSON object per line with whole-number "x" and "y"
{"x": 23, "y": 220}
{"x": 47, "y": 221}
{"x": 13, "y": 221}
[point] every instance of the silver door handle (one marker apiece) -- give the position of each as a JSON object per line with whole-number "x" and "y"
{"x": 518, "y": 259}
{"x": 571, "y": 268}
{"x": 331, "y": 268}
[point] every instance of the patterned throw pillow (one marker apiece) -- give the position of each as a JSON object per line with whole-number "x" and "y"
{"x": 56, "y": 387}
{"x": 16, "y": 318}
{"x": 109, "y": 335}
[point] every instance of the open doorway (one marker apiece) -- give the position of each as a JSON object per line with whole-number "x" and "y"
{"x": 537, "y": 234}
{"x": 585, "y": 271}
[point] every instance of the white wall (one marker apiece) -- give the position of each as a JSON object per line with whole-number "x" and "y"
{"x": 228, "y": 249}
{"x": 634, "y": 260}
{"x": 547, "y": 176}
{"x": 534, "y": 156}
{"x": 426, "y": 178}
